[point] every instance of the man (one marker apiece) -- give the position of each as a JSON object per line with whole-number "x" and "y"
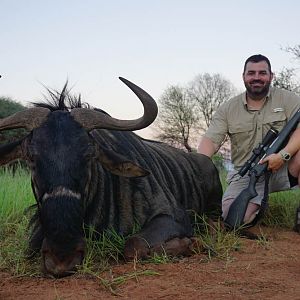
{"x": 246, "y": 119}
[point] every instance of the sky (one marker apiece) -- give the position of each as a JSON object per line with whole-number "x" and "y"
{"x": 154, "y": 44}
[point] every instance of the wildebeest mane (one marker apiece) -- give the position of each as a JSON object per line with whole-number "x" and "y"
{"x": 61, "y": 100}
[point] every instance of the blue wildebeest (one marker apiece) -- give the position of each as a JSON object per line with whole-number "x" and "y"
{"x": 90, "y": 169}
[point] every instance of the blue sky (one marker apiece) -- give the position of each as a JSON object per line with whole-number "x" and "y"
{"x": 152, "y": 43}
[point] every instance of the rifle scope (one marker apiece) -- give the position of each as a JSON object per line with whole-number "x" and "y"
{"x": 259, "y": 151}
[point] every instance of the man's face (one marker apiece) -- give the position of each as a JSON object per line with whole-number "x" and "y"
{"x": 257, "y": 79}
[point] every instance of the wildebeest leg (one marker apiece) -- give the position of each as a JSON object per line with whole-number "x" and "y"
{"x": 162, "y": 233}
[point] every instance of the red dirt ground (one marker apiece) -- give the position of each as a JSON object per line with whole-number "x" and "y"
{"x": 257, "y": 271}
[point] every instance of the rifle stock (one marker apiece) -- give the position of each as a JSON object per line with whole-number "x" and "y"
{"x": 238, "y": 208}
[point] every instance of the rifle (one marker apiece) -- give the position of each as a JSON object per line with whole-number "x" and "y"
{"x": 239, "y": 206}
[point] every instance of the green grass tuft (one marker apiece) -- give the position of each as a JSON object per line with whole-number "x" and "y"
{"x": 113, "y": 283}
{"x": 102, "y": 250}
{"x": 107, "y": 249}
{"x": 282, "y": 209}
{"x": 215, "y": 240}
{"x": 15, "y": 196}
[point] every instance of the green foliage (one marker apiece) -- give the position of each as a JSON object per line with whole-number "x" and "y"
{"x": 285, "y": 79}
{"x": 113, "y": 283}
{"x": 7, "y": 108}
{"x": 215, "y": 240}
{"x": 13, "y": 245}
{"x": 282, "y": 209}
{"x": 105, "y": 249}
{"x": 263, "y": 240}
{"x": 218, "y": 160}
{"x": 15, "y": 195}
{"x": 162, "y": 258}
{"x": 102, "y": 250}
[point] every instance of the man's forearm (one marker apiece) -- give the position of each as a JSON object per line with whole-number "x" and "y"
{"x": 293, "y": 144}
{"x": 207, "y": 147}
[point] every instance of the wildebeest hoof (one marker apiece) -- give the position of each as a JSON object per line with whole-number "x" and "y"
{"x": 136, "y": 248}
{"x": 196, "y": 245}
{"x": 174, "y": 247}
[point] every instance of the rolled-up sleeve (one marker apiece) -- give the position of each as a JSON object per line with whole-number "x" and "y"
{"x": 218, "y": 127}
{"x": 292, "y": 105}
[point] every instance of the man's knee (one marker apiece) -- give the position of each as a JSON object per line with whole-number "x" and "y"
{"x": 251, "y": 212}
{"x": 294, "y": 165}
{"x": 226, "y": 203}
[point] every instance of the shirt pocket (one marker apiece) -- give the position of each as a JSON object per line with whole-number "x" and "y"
{"x": 275, "y": 120}
{"x": 240, "y": 135}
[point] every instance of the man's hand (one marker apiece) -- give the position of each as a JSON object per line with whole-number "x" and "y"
{"x": 274, "y": 161}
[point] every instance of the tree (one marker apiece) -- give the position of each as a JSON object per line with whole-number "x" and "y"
{"x": 177, "y": 117}
{"x": 184, "y": 111}
{"x": 294, "y": 50}
{"x": 209, "y": 92}
{"x": 7, "y": 108}
{"x": 285, "y": 80}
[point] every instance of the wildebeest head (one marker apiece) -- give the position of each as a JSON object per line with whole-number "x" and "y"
{"x": 60, "y": 152}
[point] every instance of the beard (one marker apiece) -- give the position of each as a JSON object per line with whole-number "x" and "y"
{"x": 257, "y": 89}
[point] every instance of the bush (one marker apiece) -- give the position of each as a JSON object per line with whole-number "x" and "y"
{"x": 218, "y": 160}
{"x": 7, "y": 108}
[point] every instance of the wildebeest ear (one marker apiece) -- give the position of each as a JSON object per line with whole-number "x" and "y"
{"x": 118, "y": 164}
{"x": 10, "y": 152}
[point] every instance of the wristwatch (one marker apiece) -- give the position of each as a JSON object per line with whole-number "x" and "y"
{"x": 285, "y": 155}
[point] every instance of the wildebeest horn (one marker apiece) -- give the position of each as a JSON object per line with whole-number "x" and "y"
{"x": 92, "y": 119}
{"x": 29, "y": 119}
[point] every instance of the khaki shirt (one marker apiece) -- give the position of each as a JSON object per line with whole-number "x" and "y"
{"x": 246, "y": 128}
